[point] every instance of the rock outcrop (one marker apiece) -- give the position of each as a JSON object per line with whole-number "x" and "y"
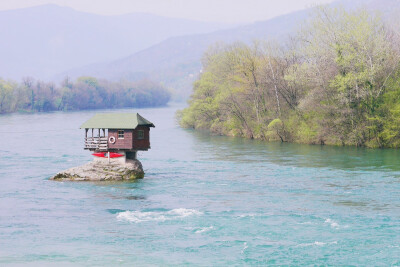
{"x": 99, "y": 170}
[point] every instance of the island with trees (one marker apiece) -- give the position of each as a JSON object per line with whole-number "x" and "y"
{"x": 336, "y": 82}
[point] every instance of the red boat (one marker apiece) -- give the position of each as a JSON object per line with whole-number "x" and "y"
{"x": 104, "y": 155}
{"x": 115, "y": 155}
{"x": 100, "y": 154}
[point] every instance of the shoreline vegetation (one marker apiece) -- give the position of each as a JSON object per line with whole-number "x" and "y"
{"x": 82, "y": 94}
{"x": 336, "y": 82}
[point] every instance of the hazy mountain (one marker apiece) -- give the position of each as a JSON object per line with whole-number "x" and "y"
{"x": 44, "y": 40}
{"x": 176, "y": 61}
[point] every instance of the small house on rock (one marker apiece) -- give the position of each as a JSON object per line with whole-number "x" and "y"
{"x": 117, "y": 135}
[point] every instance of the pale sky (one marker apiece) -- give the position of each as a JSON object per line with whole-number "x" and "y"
{"x": 226, "y": 11}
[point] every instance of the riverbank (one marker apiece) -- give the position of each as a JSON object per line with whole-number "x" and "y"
{"x": 85, "y": 93}
{"x": 272, "y": 137}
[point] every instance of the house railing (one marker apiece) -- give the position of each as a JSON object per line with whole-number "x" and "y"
{"x": 96, "y": 143}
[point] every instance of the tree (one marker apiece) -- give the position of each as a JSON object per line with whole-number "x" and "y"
{"x": 333, "y": 83}
{"x": 6, "y": 96}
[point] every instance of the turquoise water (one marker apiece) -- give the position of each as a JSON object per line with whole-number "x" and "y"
{"x": 205, "y": 200}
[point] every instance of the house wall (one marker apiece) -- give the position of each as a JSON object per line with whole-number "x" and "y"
{"x": 141, "y": 144}
{"x": 125, "y": 143}
{"x": 130, "y": 141}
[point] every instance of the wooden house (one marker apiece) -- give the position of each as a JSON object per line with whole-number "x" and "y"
{"x": 123, "y": 133}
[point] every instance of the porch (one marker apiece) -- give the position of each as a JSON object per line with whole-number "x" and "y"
{"x": 96, "y": 143}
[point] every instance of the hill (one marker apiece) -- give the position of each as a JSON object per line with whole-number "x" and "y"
{"x": 45, "y": 40}
{"x": 177, "y": 60}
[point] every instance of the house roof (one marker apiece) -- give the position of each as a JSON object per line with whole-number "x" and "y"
{"x": 116, "y": 121}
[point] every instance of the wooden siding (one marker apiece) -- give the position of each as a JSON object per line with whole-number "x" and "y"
{"x": 125, "y": 144}
{"x": 130, "y": 141}
{"x": 141, "y": 144}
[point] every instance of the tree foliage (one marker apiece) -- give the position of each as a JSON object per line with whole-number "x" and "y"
{"x": 84, "y": 93}
{"x": 336, "y": 82}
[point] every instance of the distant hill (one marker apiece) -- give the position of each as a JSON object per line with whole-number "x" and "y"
{"x": 45, "y": 40}
{"x": 177, "y": 60}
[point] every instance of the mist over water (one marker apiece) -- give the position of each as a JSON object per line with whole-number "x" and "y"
{"x": 205, "y": 200}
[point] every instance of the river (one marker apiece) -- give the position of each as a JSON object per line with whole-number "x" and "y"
{"x": 205, "y": 200}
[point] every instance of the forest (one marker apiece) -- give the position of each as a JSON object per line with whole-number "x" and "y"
{"x": 84, "y": 93}
{"x": 336, "y": 81}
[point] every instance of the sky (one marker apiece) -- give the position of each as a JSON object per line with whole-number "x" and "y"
{"x": 223, "y": 11}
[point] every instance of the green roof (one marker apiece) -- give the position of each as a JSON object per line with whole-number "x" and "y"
{"x": 116, "y": 121}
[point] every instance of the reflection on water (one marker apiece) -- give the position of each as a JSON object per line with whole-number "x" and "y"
{"x": 300, "y": 155}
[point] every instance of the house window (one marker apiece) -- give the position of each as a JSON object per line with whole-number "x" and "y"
{"x": 120, "y": 134}
{"x": 140, "y": 134}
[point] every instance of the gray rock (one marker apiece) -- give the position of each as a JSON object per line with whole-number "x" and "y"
{"x": 102, "y": 171}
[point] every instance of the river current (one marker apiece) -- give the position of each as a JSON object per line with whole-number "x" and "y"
{"x": 205, "y": 200}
